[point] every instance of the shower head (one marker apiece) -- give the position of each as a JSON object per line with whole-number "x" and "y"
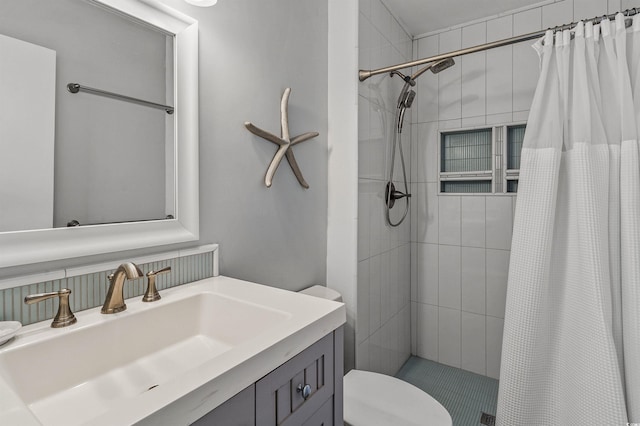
{"x": 406, "y": 96}
{"x": 408, "y": 99}
{"x": 404, "y": 102}
{"x": 435, "y": 67}
{"x": 442, "y": 65}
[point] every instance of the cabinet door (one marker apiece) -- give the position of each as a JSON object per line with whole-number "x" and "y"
{"x": 278, "y": 398}
{"x": 237, "y": 411}
{"x": 322, "y": 417}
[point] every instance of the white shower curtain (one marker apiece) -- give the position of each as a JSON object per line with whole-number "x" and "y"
{"x": 571, "y": 346}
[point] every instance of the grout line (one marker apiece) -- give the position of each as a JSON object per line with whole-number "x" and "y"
{"x": 486, "y": 358}
{"x": 460, "y": 279}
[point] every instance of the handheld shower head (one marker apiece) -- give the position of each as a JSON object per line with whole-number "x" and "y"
{"x": 405, "y": 101}
{"x": 408, "y": 99}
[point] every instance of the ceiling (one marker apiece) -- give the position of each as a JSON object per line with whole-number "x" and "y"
{"x": 423, "y": 16}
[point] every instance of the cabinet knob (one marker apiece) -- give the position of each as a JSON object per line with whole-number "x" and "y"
{"x": 304, "y": 390}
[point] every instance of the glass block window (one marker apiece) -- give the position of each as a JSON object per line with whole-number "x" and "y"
{"x": 465, "y": 187}
{"x": 515, "y": 136}
{"x": 484, "y": 160}
{"x": 466, "y": 161}
{"x": 467, "y": 151}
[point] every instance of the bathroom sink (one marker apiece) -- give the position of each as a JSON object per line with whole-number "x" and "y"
{"x": 121, "y": 368}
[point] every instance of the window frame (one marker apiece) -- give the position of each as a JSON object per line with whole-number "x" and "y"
{"x": 499, "y": 158}
{"x": 509, "y": 174}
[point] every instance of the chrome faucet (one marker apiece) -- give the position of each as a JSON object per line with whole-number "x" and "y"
{"x": 114, "y": 302}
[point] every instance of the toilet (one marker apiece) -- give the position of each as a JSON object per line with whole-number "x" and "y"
{"x": 373, "y": 399}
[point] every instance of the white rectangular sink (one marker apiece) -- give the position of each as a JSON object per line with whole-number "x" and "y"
{"x": 218, "y": 333}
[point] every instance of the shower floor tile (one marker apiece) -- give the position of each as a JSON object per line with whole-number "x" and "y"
{"x": 465, "y": 395}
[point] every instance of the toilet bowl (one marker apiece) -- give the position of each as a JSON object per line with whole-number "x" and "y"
{"x": 373, "y": 399}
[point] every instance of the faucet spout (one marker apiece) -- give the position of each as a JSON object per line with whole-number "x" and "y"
{"x": 114, "y": 302}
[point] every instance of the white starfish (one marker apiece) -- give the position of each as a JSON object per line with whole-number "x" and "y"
{"x": 285, "y": 142}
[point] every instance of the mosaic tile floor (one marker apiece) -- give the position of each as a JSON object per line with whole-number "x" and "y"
{"x": 464, "y": 394}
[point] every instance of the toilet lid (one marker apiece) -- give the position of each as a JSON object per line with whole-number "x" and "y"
{"x": 374, "y": 399}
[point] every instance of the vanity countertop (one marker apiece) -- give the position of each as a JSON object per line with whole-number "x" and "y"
{"x": 196, "y": 347}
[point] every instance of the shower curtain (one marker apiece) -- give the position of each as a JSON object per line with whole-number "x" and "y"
{"x": 571, "y": 346}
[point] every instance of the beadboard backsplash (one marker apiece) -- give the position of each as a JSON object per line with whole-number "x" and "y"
{"x": 89, "y": 284}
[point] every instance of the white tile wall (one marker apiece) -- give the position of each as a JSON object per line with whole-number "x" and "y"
{"x": 427, "y": 86}
{"x": 458, "y": 314}
{"x": 499, "y": 222}
{"x": 362, "y": 320}
{"x": 437, "y": 286}
{"x": 427, "y": 327}
{"x": 449, "y": 276}
{"x": 449, "y": 220}
{"x": 449, "y": 87}
{"x": 383, "y": 323}
{"x": 497, "y": 271}
{"x": 494, "y": 345}
{"x": 525, "y": 64}
{"x": 427, "y": 268}
{"x": 449, "y": 337}
{"x": 473, "y": 350}
{"x": 473, "y": 221}
{"x": 474, "y": 84}
{"x": 557, "y": 13}
{"x": 473, "y": 280}
{"x": 427, "y": 163}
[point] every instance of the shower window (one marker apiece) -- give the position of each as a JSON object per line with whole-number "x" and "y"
{"x": 466, "y": 161}
{"x": 484, "y": 160}
{"x": 514, "y": 137}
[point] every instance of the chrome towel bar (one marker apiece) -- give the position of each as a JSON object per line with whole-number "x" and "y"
{"x": 75, "y": 88}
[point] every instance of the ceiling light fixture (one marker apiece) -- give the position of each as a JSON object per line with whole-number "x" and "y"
{"x": 202, "y": 3}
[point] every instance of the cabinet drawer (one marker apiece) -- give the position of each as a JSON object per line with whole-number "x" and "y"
{"x": 278, "y": 401}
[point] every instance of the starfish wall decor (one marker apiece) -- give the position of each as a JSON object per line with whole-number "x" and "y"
{"x": 284, "y": 142}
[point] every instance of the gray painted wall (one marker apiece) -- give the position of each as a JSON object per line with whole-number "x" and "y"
{"x": 250, "y": 51}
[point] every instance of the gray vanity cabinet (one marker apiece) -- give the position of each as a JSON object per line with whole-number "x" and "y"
{"x": 237, "y": 411}
{"x": 304, "y": 391}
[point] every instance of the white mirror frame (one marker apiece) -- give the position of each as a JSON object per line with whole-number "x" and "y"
{"x": 34, "y": 246}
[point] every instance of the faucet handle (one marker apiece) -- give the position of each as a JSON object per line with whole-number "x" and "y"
{"x": 64, "y": 317}
{"x": 151, "y": 295}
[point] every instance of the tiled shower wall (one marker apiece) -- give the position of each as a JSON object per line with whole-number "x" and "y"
{"x": 89, "y": 290}
{"x": 461, "y": 244}
{"x": 383, "y": 291}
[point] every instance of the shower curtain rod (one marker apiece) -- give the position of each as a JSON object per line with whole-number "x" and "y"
{"x": 365, "y": 74}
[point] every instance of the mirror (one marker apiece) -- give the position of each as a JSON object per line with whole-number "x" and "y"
{"x": 113, "y": 154}
{"x": 124, "y": 169}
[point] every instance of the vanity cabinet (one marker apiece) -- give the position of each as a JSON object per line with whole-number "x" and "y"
{"x": 306, "y": 390}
